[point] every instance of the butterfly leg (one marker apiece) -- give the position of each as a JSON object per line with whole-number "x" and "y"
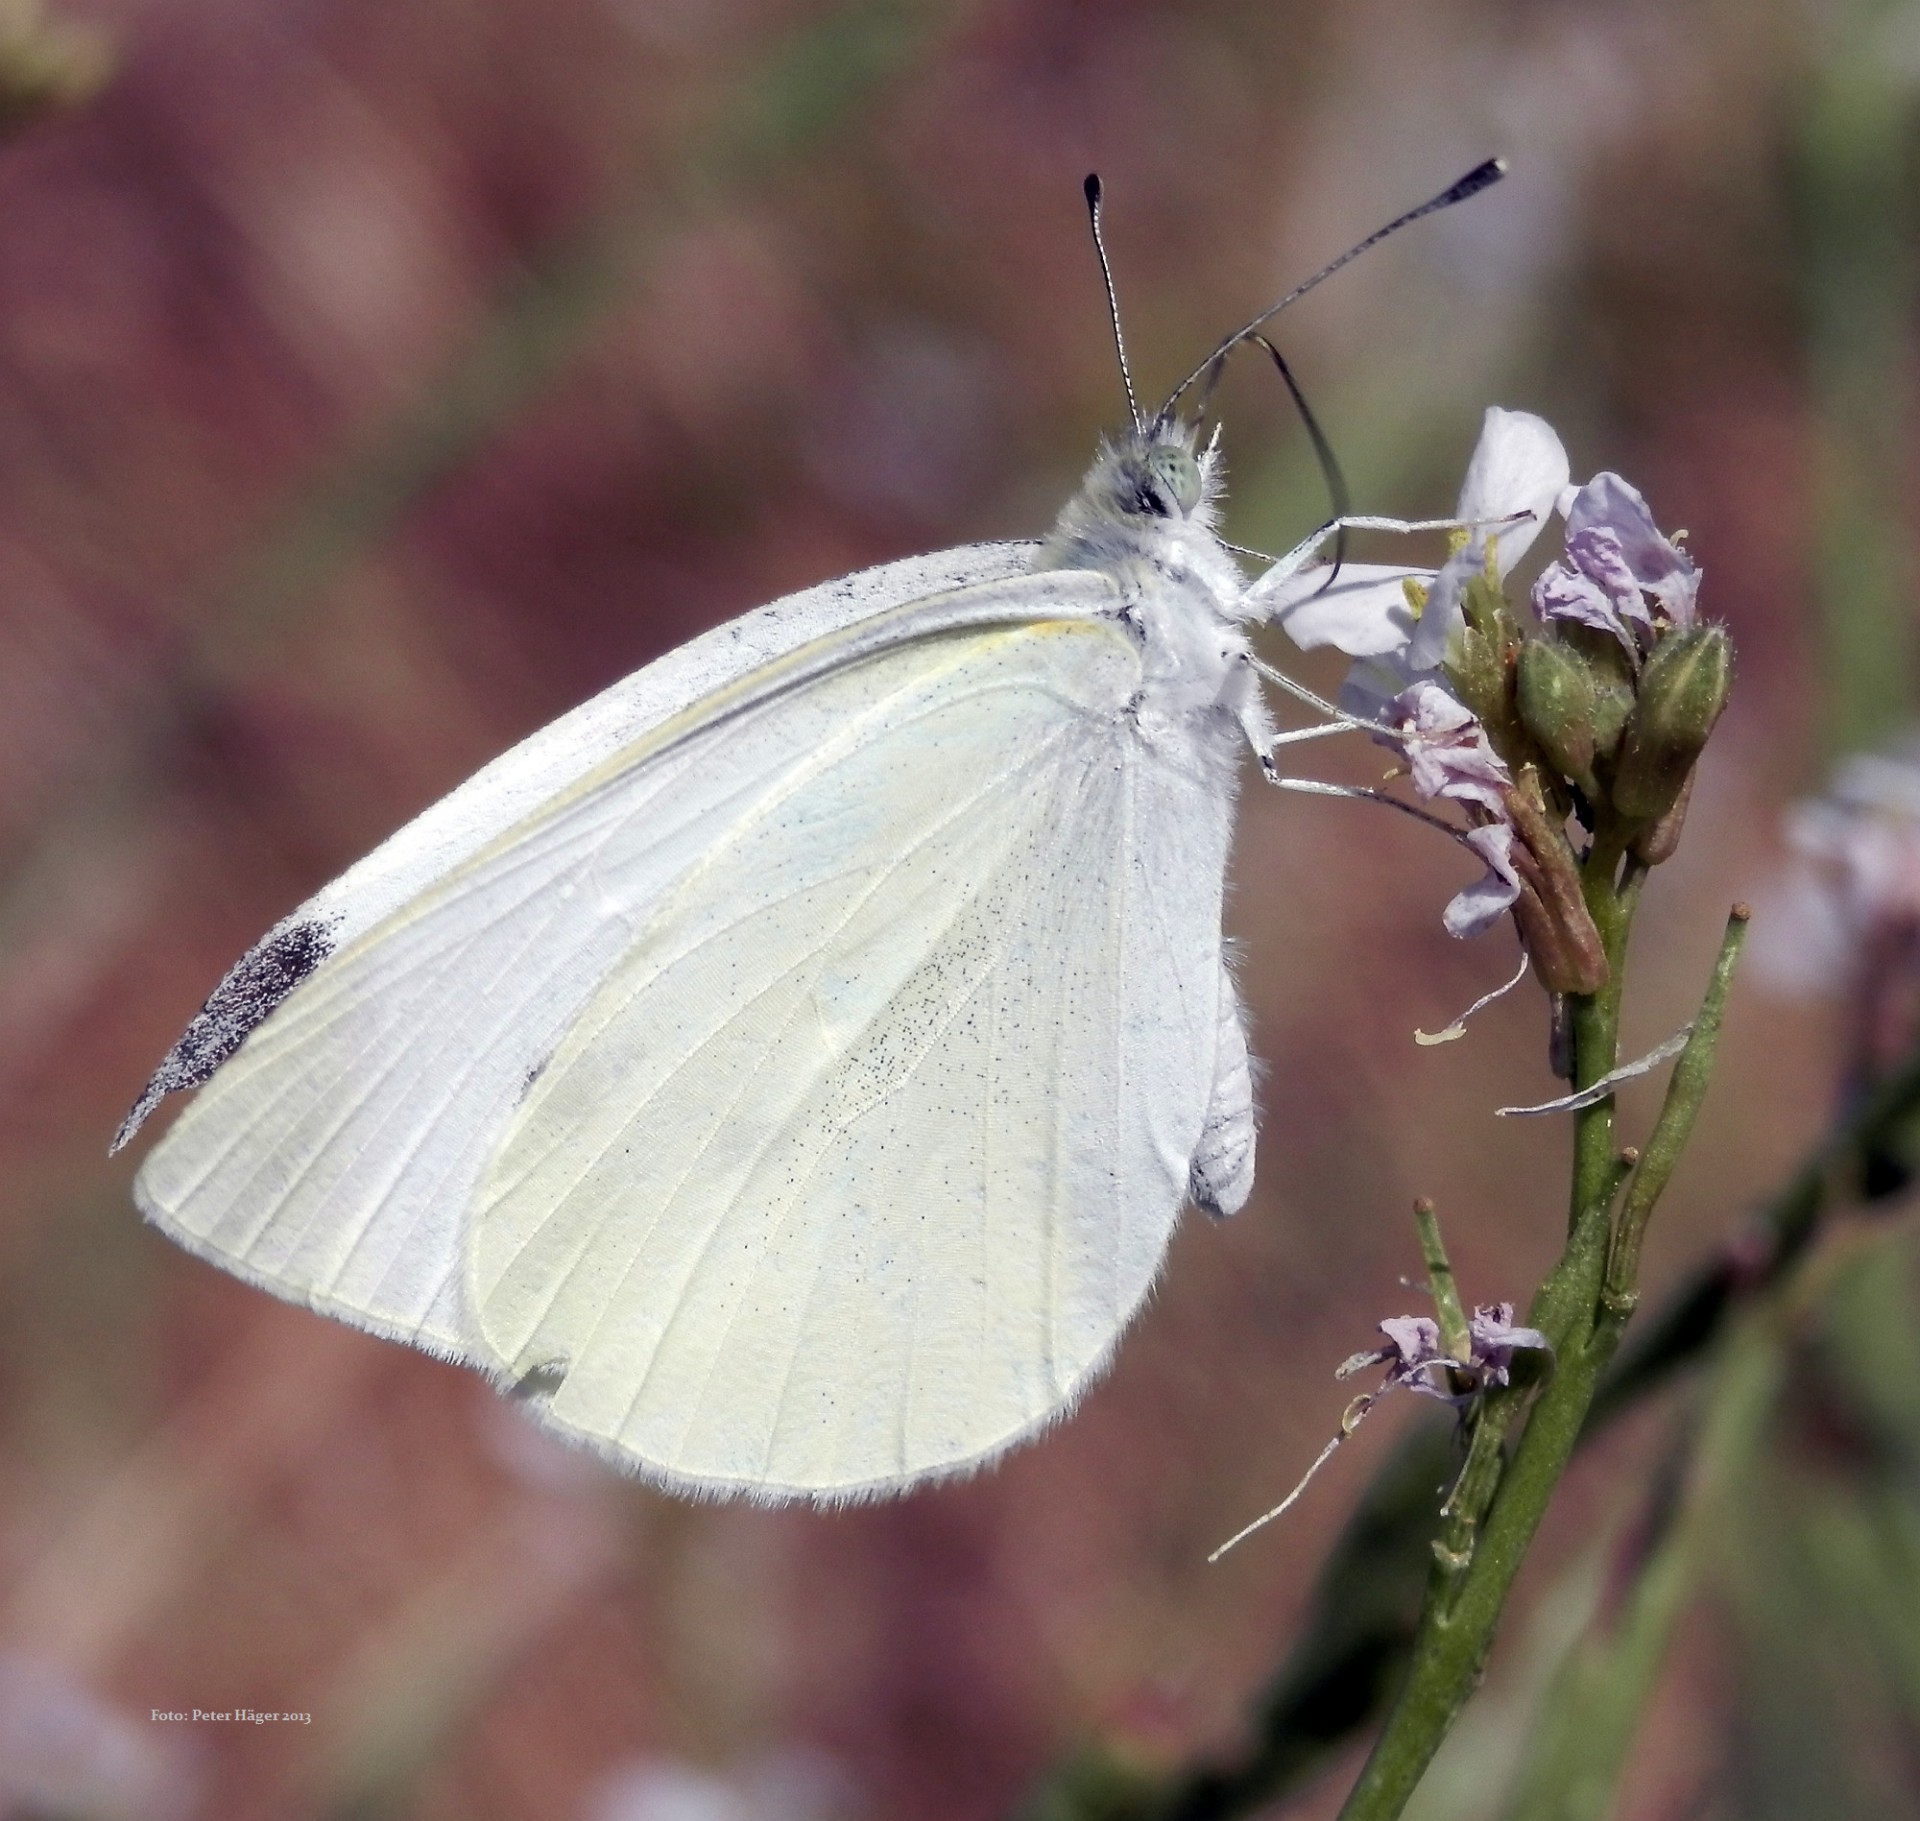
{"x": 1256, "y": 722}
{"x": 1310, "y": 546}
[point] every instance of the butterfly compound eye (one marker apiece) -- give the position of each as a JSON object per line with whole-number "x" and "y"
{"x": 1178, "y": 474}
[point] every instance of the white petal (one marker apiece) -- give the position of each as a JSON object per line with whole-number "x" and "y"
{"x": 1518, "y": 465}
{"x": 1371, "y": 685}
{"x": 1364, "y": 613}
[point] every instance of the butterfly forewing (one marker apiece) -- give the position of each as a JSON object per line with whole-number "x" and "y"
{"x": 334, "y": 1159}
{"x": 521, "y": 783}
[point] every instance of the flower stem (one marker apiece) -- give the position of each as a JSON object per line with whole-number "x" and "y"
{"x": 1685, "y": 1092}
{"x": 1494, "y": 1511}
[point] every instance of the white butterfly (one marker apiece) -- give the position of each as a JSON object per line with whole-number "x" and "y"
{"x": 787, "y": 1068}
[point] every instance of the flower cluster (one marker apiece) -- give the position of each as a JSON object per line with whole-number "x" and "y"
{"x": 1416, "y": 1360}
{"x": 1594, "y": 707}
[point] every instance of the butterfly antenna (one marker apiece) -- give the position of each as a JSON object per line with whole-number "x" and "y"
{"x": 1337, "y": 492}
{"x": 1481, "y": 177}
{"x": 1092, "y": 187}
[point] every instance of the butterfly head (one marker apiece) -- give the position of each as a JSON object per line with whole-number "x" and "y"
{"x": 1155, "y": 476}
{"x": 1150, "y": 491}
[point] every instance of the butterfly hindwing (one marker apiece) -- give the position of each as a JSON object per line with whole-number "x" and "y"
{"x": 856, "y": 1164}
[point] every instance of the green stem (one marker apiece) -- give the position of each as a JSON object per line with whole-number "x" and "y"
{"x": 1451, "y": 1317}
{"x": 1584, "y": 1730}
{"x": 1366, "y": 1606}
{"x": 1466, "y": 1595}
{"x": 1686, "y": 1090}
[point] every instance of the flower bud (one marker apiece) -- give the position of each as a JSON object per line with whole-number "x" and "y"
{"x": 1479, "y": 659}
{"x": 1683, "y": 688}
{"x": 1659, "y": 841}
{"x": 1610, "y": 676}
{"x": 1554, "y": 693}
{"x": 1478, "y": 674}
{"x": 1483, "y": 605}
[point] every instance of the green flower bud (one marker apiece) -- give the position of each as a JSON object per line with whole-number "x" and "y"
{"x": 1610, "y": 676}
{"x": 1683, "y": 687}
{"x": 1554, "y": 693}
{"x": 1479, "y": 660}
{"x": 1483, "y": 604}
{"x": 1477, "y": 670}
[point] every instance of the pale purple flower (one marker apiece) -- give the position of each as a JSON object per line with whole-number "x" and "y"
{"x": 1446, "y": 749}
{"x": 1448, "y": 756}
{"x": 1415, "y": 1360}
{"x": 1853, "y": 896}
{"x": 1620, "y": 573}
{"x": 1478, "y": 907}
{"x": 1496, "y": 1340}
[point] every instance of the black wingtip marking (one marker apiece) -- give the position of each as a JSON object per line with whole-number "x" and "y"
{"x": 253, "y": 986}
{"x": 539, "y": 1384}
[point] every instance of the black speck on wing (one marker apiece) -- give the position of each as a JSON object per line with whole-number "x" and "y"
{"x": 254, "y": 985}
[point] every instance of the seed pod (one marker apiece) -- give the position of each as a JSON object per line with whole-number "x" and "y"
{"x": 1659, "y": 840}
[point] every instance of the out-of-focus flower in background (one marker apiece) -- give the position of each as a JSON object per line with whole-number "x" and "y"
{"x": 1844, "y": 919}
{"x": 64, "y": 1751}
{"x": 793, "y": 1785}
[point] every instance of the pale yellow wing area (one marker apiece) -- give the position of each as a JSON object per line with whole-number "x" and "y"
{"x": 858, "y": 1161}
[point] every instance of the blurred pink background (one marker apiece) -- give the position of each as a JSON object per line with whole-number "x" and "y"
{"x": 377, "y": 381}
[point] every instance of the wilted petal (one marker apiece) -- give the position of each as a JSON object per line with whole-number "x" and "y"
{"x": 1416, "y": 1338}
{"x": 1597, "y": 553}
{"x": 1563, "y": 593}
{"x": 1477, "y": 909}
{"x": 1446, "y": 748}
{"x": 1496, "y": 1340}
{"x": 1656, "y": 563}
{"x": 1365, "y": 613}
{"x": 1518, "y": 465}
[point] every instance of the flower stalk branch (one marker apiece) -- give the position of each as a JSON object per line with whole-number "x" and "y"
{"x": 1361, "y": 1627}
{"x": 1686, "y": 1089}
{"x": 1496, "y": 1506}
